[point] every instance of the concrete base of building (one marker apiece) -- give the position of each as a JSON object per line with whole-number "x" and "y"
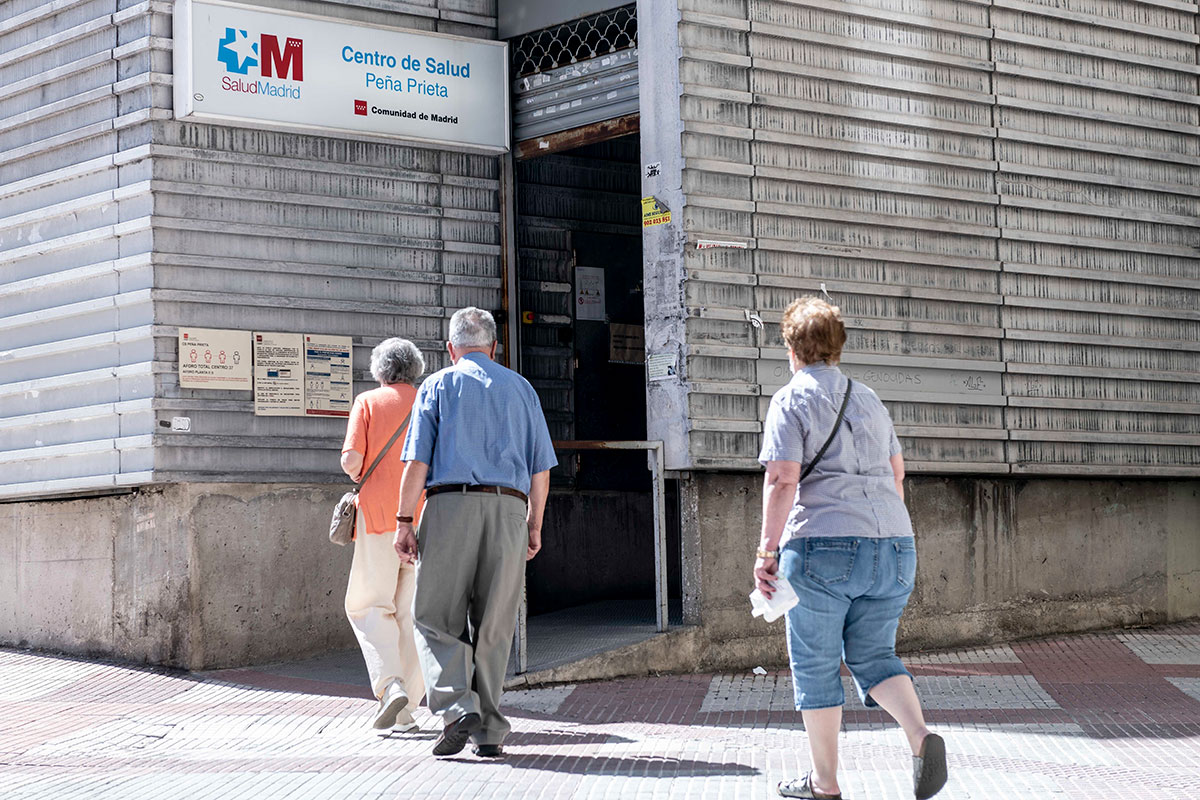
{"x": 999, "y": 559}
{"x": 675, "y": 651}
{"x": 206, "y": 576}
{"x": 199, "y": 576}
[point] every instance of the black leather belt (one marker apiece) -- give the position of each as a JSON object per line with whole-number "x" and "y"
{"x": 470, "y": 487}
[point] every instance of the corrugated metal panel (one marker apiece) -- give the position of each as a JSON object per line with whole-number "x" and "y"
{"x": 285, "y": 232}
{"x": 947, "y": 170}
{"x": 76, "y": 371}
{"x": 851, "y": 147}
{"x": 605, "y": 87}
{"x": 324, "y": 236}
{"x": 1099, "y": 157}
{"x": 246, "y": 229}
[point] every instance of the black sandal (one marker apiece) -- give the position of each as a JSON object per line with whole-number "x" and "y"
{"x": 929, "y": 767}
{"x": 803, "y": 789}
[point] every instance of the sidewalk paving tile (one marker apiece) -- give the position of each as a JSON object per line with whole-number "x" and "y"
{"x": 1088, "y": 716}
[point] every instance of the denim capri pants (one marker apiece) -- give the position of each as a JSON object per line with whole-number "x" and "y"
{"x": 852, "y": 591}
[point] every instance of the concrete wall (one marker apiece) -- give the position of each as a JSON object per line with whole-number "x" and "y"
{"x": 199, "y": 576}
{"x": 998, "y": 559}
{"x": 598, "y": 546}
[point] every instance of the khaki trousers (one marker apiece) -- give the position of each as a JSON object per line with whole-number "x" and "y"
{"x": 469, "y": 580}
{"x": 379, "y": 607}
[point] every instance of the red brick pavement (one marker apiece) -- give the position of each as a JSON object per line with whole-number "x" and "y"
{"x": 1072, "y": 717}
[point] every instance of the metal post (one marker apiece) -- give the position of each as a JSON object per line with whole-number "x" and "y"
{"x": 510, "y": 292}
{"x": 511, "y": 336}
{"x": 655, "y": 457}
{"x": 521, "y": 640}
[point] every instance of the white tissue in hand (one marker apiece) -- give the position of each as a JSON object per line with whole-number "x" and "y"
{"x": 778, "y": 604}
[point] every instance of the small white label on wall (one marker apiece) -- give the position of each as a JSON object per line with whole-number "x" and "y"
{"x": 589, "y": 294}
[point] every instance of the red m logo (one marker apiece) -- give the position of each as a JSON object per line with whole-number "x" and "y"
{"x": 286, "y": 64}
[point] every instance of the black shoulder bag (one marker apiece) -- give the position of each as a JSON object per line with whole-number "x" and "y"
{"x": 836, "y": 426}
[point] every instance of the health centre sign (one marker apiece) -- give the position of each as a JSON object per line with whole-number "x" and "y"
{"x": 238, "y": 64}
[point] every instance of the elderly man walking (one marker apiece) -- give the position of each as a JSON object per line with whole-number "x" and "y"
{"x": 479, "y": 447}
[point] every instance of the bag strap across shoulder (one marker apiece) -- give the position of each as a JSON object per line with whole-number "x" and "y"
{"x": 388, "y": 446}
{"x": 836, "y": 426}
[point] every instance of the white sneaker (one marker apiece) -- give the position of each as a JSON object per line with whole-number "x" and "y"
{"x": 393, "y": 702}
{"x": 401, "y": 727}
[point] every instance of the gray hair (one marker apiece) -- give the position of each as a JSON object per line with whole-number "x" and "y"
{"x": 472, "y": 327}
{"x": 396, "y": 360}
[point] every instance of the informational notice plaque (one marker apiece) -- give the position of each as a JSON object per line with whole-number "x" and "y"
{"x": 662, "y": 366}
{"x": 328, "y": 379}
{"x": 626, "y": 344}
{"x": 589, "y": 294}
{"x": 214, "y": 359}
{"x": 278, "y": 374}
{"x": 267, "y": 67}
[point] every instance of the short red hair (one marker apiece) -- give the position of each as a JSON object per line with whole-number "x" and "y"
{"x": 814, "y": 331}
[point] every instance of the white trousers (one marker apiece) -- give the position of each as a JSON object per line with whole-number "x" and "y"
{"x": 379, "y": 606}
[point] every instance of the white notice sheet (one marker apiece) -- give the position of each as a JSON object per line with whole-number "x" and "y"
{"x": 279, "y": 374}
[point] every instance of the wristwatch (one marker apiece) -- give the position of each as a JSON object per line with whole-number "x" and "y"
{"x": 773, "y": 554}
{"x": 400, "y": 518}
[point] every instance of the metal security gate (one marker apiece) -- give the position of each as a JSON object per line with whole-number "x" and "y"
{"x": 575, "y": 75}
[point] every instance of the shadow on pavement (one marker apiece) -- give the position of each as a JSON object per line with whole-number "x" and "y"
{"x": 563, "y": 738}
{"x": 634, "y": 766}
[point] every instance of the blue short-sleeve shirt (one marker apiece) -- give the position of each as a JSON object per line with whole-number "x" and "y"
{"x": 479, "y": 423}
{"x": 852, "y": 490}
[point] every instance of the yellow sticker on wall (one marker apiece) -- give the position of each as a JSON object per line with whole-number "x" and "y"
{"x": 654, "y": 212}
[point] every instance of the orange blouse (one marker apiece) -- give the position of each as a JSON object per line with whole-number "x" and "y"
{"x": 373, "y": 420}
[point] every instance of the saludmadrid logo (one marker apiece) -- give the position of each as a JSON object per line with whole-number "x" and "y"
{"x": 240, "y": 53}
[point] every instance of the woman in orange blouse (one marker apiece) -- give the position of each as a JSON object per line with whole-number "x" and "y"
{"x": 379, "y": 595}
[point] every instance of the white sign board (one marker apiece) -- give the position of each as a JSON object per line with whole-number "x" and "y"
{"x": 328, "y": 380}
{"x": 214, "y": 359}
{"x": 282, "y": 69}
{"x": 589, "y": 293}
{"x": 662, "y": 366}
{"x": 278, "y": 374}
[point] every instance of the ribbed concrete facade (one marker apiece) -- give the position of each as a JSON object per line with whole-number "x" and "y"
{"x": 1001, "y": 196}
{"x": 120, "y": 225}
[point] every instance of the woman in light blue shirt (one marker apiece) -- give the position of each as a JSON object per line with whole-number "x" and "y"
{"x": 847, "y": 549}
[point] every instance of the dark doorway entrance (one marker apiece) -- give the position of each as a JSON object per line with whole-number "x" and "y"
{"x": 580, "y": 269}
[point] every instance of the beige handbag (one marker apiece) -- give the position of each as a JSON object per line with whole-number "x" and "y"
{"x": 341, "y": 527}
